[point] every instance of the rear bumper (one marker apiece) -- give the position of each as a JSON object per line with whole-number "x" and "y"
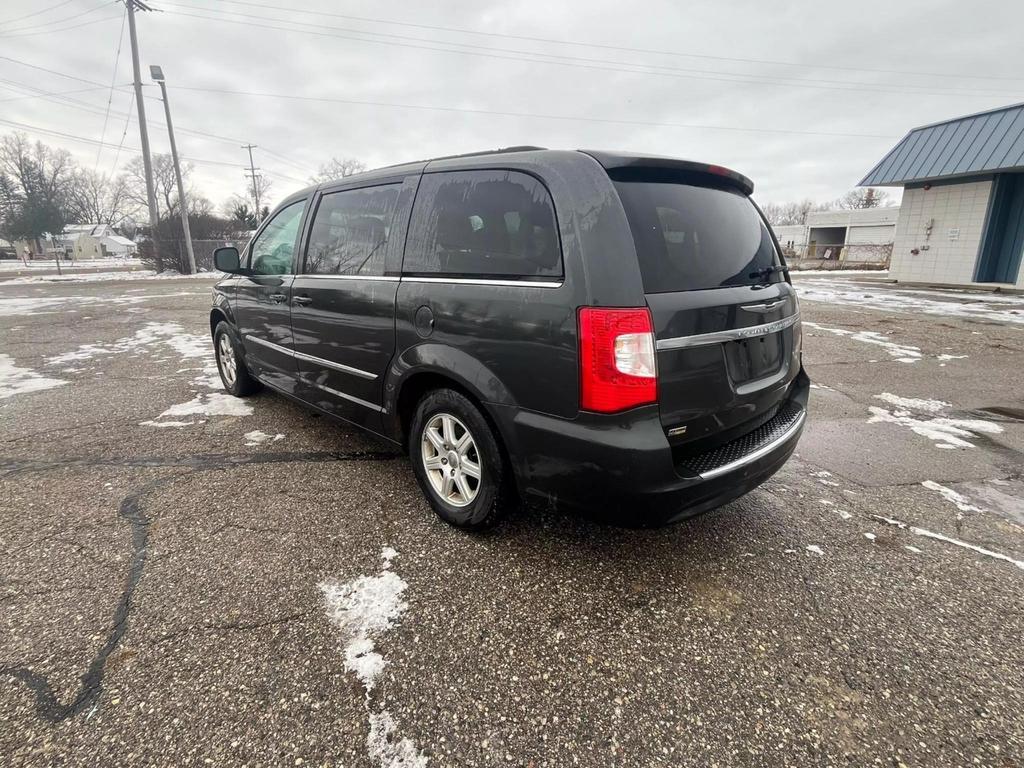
{"x": 622, "y": 469}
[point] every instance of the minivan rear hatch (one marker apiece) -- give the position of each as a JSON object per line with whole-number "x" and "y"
{"x": 725, "y": 315}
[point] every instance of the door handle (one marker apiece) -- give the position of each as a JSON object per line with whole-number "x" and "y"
{"x": 302, "y": 301}
{"x": 277, "y": 298}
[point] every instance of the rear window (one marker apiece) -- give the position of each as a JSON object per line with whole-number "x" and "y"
{"x": 691, "y": 237}
{"x": 489, "y": 223}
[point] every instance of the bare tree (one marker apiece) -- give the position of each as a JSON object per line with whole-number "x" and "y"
{"x": 780, "y": 214}
{"x": 99, "y": 199}
{"x": 338, "y": 168}
{"x": 857, "y": 199}
{"x": 36, "y": 188}
{"x": 164, "y": 184}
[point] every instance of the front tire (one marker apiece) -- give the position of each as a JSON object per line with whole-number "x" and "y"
{"x": 234, "y": 374}
{"x": 458, "y": 462}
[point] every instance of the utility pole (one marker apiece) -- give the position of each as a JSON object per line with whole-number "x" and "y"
{"x": 158, "y": 74}
{"x": 252, "y": 175}
{"x": 147, "y": 163}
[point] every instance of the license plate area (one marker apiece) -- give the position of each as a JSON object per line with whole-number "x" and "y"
{"x": 751, "y": 359}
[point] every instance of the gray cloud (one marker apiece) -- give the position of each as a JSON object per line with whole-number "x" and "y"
{"x": 835, "y": 43}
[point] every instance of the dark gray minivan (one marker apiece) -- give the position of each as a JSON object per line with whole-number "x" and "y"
{"x": 613, "y": 331}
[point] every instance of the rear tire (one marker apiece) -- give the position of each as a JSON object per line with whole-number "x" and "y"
{"x": 234, "y": 374}
{"x": 458, "y": 462}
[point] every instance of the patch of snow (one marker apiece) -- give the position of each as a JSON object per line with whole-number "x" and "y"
{"x": 257, "y": 437}
{"x": 949, "y": 540}
{"x": 870, "y": 536}
{"x": 1001, "y": 308}
{"x": 960, "y": 501}
{"x": 951, "y": 357}
{"x": 385, "y": 750}
{"x": 815, "y": 549}
{"x": 944, "y": 432}
{"x": 162, "y": 424}
{"x": 905, "y": 353}
{"x": 364, "y": 609}
{"x": 210, "y": 404}
{"x": 39, "y": 305}
{"x": 911, "y": 548}
{"x": 101, "y": 277}
{"x": 913, "y": 403}
{"x": 15, "y": 380}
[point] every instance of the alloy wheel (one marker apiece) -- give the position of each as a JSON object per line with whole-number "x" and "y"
{"x": 226, "y": 360}
{"x": 451, "y": 459}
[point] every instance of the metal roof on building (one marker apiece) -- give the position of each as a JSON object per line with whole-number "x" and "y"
{"x": 985, "y": 142}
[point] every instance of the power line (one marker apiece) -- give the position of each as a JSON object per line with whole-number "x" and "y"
{"x": 36, "y": 13}
{"x": 124, "y": 134}
{"x": 52, "y": 71}
{"x": 655, "y": 51}
{"x": 61, "y": 99}
{"x": 62, "y": 29}
{"x": 568, "y": 61}
{"x": 458, "y": 30}
{"x": 110, "y": 97}
{"x": 136, "y": 150}
{"x": 54, "y": 93}
{"x": 43, "y": 24}
{"x": 612, "y": 121}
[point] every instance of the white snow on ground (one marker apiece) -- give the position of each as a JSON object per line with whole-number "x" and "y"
{"x": 165, "y": 424}
{"x": 48, "y": 305}
{"x": 870, "y": 536}
{"x": 902, "y": 352}
{"x": 949, "y": 540}
{"x": 959, "y": 500}
{"x": 16, "y": 265}
{"x": 363, "y": 610}
{"x": 100, "y": 277}
{"x": 17, "y": 381}
{"x": 920, "y": 417}
{"x": 913, "y": 403}
{"x": 256, "y": 437}
{"x": 171, "y": 334}
{"x": 815, "y": 549}
{"x": 1000, "y": 308}
{"x": 210, "y": 404}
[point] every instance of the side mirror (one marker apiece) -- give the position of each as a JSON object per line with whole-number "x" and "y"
{"x": 226, "y": 260}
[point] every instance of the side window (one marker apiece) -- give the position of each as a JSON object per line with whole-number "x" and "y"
{"x": 273, "y": 249}
{"x": 351, "y": 231}
{"x": 485, "y": 224}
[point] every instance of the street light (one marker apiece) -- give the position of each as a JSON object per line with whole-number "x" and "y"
{"x": 158, "y": 75}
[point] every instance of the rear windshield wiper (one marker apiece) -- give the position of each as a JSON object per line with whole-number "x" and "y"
{"x": 765, "y": 272}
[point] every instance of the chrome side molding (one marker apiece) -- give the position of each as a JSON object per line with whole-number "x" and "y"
{"x": 311, "y": 359}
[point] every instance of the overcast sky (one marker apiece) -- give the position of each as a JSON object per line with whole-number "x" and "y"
{"x": 802, "y": 97}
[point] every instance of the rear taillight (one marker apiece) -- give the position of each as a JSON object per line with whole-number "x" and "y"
{"x": 617, "y": 361}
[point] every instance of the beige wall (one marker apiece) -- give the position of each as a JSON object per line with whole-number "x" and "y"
{"x": 949, "y": 206}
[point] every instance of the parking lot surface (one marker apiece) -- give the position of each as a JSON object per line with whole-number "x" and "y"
{"x": 192, "y": 579}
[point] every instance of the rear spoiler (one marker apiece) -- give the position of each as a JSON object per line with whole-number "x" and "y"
{"x": 614, "y": 161}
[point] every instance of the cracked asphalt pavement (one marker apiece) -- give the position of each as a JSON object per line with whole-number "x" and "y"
{"x": 160, "y": 599}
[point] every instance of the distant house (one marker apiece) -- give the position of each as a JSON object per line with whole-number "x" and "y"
{"x": 963, "y": 200}
{"x": 96, "y": 241}
{"x": 863, "y": 236}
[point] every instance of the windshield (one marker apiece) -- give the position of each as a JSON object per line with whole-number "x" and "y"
{"x": 690, "y": 238}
